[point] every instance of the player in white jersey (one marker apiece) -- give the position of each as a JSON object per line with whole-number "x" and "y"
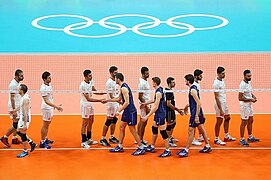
{"x": 13, "y": 107}
{"x": 111, "y": 107}
{"x": 24, "y": 121}
{"x": 246, "y": 99}
{"x": 87, "y": 110}
{"x": 47, "y": 108}
{"x": 143, "y": 96}
{"x": 197, "y": 78}
{"x": 221, "y": 107}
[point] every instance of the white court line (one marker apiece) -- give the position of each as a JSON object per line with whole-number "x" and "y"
{"x": 158, "y": 148}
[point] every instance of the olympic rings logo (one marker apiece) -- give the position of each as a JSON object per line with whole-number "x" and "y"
{"x": 137, "y": 29}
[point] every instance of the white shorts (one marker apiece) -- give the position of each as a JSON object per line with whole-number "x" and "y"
{"x": 112, "y": 109}
{"x": 11, "y": 117}
{"x": 246, "y": 110}
{"x": 144, "y": 110}
{"x": 86, "y": 110}
{"x": 224, "y": 107}
{"x": 47, "y": 114}
{"x": 21, "y": 122}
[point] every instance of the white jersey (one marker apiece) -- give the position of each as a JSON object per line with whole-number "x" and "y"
{"x": 14, "y": 89}
{"x": 144, "y": 85}
{"x": 46, "y": 90}
{"x": 197, "y": 85}
{"x": 25, "y": 97}
{"x": 246, "y": 89}
{"x": 219, "y": 87}
{"x": 111, "y": 87}
{"x": 86, "y": 88}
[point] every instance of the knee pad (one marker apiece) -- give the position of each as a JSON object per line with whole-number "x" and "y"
{"x": 15, "y": 125}
{"x": 164, "y": 134}
{"x": 154, "y": 130}
{"x": 19, "y": 133}
{"x": 23, "y": 136}
{"x": 108, "y": 122}
{"x": 169, "y": 127}
{"x": 173, "y": 125}
{"x": 114, "y": 121}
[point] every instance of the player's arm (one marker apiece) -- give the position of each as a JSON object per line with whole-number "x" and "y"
{"x": 254, "y": 97}
{"x": 89, "y": 99}
{"x": 140, "y": 97}
{"x": 97, "y": 93}
{"x": 196, "y": 98}
{"x": 117, "y": 99}
{"x": 12, "y": 100}
{"x": 155, "y": 105}
{"x": 218, "y": 102}
{"x": 25, "y": 111}
{"x": 46, "y": 100}
{"x": 169, "y": 98}
{"x": 125, "y": 94}
{"x": 242, "y": 98}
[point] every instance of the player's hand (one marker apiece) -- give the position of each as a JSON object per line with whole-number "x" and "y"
{"x": 254, "y": 100}
{"x": 59, "y": 108}
{"x": 145, "y": 118}
{"x": 180, "y": 111}
{"x": 117, "y": 113}
{"x": 186, "y": 109}
{"x": 104, "y": 101}
{"x": 197, "y": 119}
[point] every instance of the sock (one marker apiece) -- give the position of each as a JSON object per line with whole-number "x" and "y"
{"x": 84, "y": 137}
{"x": 103, "y": 137}
{"x": 25, "y": 150}
{"x": 207, "y": 145}
{"x": 141, "y": 146}
{"x": 112, "y": 135}
{"x": 186, "y": 149}
{"x": 167, "y": 149}
{"x": 89, "y": 134}
{"x": 216, "y": 138}
{"x": 250, "y": 136}
{"x": 226, "y": 134}
{"x": 152, "y": 145}
{"x": 120, "y": 145}
{"x": 242, "y": 138}
{"x": 14, "y": 137}
{"x": 5, "y": 136}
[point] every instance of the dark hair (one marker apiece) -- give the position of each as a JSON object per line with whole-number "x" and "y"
{"x": 18, "y": 71}
{"x": 45, "y": 75}
{"x": 87, "y": 72}
{"x": 220, "y": 70}
{"x": 246, "y": 72}
{"x": 198, "y": 72}
{"x": 144, "y": 69}
{"x": 24, "y": 88}
{"x": 120, "y": 76}
{"x": 169, "y": 79}
{"x": 157, "y": 80}
{"x": 112, "y": 69}
{"x": 189, "y": 78}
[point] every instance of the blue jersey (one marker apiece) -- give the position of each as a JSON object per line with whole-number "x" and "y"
{"x": 131, "y": 107}
{"x": 161, "y": 111}
{"x": 192, "y": 102}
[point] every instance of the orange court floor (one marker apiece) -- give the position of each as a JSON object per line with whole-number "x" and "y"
{"x": 67, "y": 160}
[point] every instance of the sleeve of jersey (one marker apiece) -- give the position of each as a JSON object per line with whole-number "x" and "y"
{"x": 43, "y": 92}
{"x": 13, "y": 89}
{"x": 169, "y": 95}
{"x": 109, "y": 86}
{"x": 216, "y": 87}
{"x": 241, "y": 88}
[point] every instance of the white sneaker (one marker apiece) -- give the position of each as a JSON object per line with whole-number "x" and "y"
{"x": 196, "y": 143}
{"x": 174, "y": 140}
{"x": 144, "y": 141}
{"x": 229, "y": 138}
{"x": 171, "y": 144}
{"x": 85, "y": 145}
{"x": 219, "y": 142}
{"x": 91, "y": 142}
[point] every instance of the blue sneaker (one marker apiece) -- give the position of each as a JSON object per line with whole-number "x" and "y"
{"x": 253, "y": 139}
{"x": 45, "y": 145}
{"x": 33, "y": 146}
{"x": 182, "y": 153}
{"x": 149, "y": 148}
{"x": 117, "y": 149}
{"x": 244, "y": 143}
{"x": 166, "y": 153}
{"x": 22, "y": 155}
{"x": 138, "y": 152}
{"x": 49, "y": 141}
{"x": 206, "y": 150}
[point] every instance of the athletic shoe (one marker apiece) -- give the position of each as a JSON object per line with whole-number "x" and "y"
{"x": 33, "y": 146}
{"x": 138, "y": 152}
{"x": 16, "y": 141}
{"x": 116, "y": 149}
{"x": 5, "y": 141}
{"x": 206, "y": 150}
{"x": 143, "y": 142}
{"x": 45, "y": 145}
{"x": 174, "y": 140}
{"x": 182, "y": 153}
{"x": 243, "y": 142}
{"x": 85, "y": 145}
{"x": 104, "y": 142}
{"x": 196, "y": 143}
{"x": 49, "y": 141}
{"x": 91, "y": 142}
{"x": 22, "y": 154}
{"x": 113, "y": 140}
{"x": 201, "y": 139}
{"x": 149, "y": 148}
{"x": 229, "y": 138}
{"x": 166, "y": 153}
{"x": 219, "y": 142}
{"x": 171, "y": 143}
{"x": 253, "y": 139}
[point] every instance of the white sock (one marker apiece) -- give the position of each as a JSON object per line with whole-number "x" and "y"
{"x": 186, "y": 149}
{"x": 112, "y": 135}
{"x": 120, "y": 145}
{"x": 250, "y": 136}
{"x": 207, "y": 145}
{"x": 103, "y": 137}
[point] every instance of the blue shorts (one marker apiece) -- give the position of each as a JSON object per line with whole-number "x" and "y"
{"x": 129, "y": 118}
{"x": 159, "y": 120}
{"x": 192, "y": 121}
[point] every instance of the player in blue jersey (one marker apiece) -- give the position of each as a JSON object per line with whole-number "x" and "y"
{"x": 196, "y": 119}
{"x": 129, "y": 115}
{"x": 159, "y": 108}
